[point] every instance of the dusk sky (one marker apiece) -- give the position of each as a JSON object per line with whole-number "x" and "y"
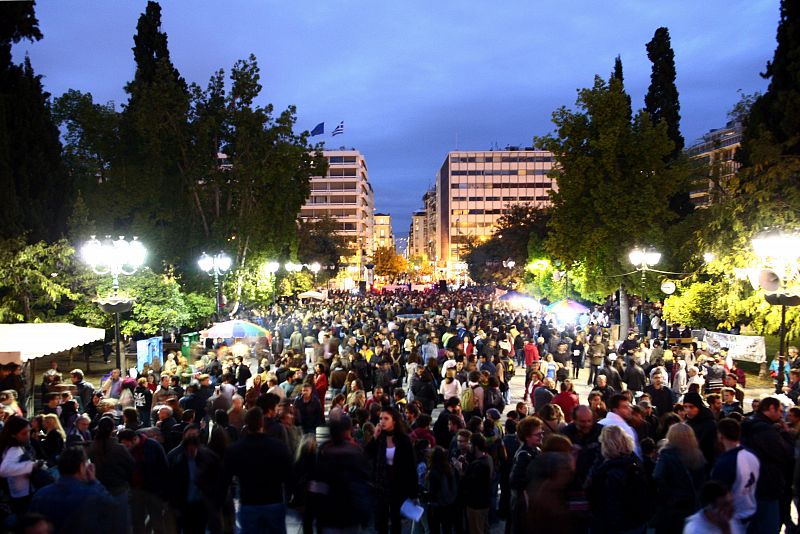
{"x": 412, "y": 80}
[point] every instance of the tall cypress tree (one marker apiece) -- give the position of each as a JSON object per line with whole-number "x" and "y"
{"x": 773, "y": 125}
{"x": 34, "y": 186}
{"x": 661, "y": 101}
{"x": 662, "y": 104}
{"x": 617, "y": 82}
{"x": 766, "y": 188}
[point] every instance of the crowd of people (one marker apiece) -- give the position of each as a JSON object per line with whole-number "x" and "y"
{"x": 358, "y": 411}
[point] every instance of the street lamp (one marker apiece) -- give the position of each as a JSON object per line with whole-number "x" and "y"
{"x": 643, "y": 260}
{"x": 293, "y": 267}
{"x": 114, "y": 257}
{"x": 314, "y": 268}
{"x": 778, "y": 253}
{"x": 216, "y": 266}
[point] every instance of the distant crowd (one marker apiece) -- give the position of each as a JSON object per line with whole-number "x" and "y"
{"x": 359, "y": 412}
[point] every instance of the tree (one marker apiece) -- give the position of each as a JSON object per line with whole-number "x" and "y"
{"x": 766, "y": 189}
{"x": 388, "y": 262}
{"x": 320, "y": 241}
{"x": 662, "y": 104}
{"x": 34, "y": 280}
{"x": 36, "y": 191}
{"x": 513, "y": 232}
{"x": 661, "y": 101}
{"x": 612, "y": 183}
{"x": 154, "y": 168}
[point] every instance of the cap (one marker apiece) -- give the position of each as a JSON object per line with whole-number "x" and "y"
{"x": 493, "y": 414}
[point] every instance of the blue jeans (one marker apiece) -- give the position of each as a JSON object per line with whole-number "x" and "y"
{"x": 268, "y": 518}
{"x": 767, "y": 518}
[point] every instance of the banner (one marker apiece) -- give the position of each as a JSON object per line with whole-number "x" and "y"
{"x": 743, "y": 348}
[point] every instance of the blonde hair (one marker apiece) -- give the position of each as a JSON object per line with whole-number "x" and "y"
{"x": 53, "y": 418}
{"x": 680, "y": 436}
{"x": 614, "y": 442}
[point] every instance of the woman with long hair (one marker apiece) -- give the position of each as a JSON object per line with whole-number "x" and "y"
{"x": 394, "y": 470}
{"x": 54, "y": 439}
{"x": 679, "y": 474}
{"x": 450, "y": 387}
{"x": 18, "y": 462}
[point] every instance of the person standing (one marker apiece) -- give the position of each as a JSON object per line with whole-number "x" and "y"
{"x": 394, "y": 470}
{"x": 17, "y": 464}
{"x": 679, "y": 474}
{"x": 738, "y": 469}
{"x": 476, "y": 485}
{"x": 529, "y": 434}
{"x": 774, "y": 451}
{"x": 114, "y": 465}
{"x": 262, "y": 465}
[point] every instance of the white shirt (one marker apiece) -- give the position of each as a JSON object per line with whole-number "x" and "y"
{"x": 613, "y": 419}
{"x": 699, "y": 524}
{"x": 17, "y": 472}
{"x": 453, "y": 389}
{"x": 390, "y": 455}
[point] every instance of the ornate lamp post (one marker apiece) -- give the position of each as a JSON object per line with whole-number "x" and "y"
{"x": 216, "y": 266}
{"x": 778, "y": 253}
{"x": 114, "y": 257}
{"x": 643, "y": 260}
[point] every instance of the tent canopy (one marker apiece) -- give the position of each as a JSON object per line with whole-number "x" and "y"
{"x": 311, "y": 295}
{"x": 27, "y": 341}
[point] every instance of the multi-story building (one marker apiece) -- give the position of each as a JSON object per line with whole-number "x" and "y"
{"x": 345, "y": 195}
{"x": 431, "y": 220}
{"x": 382, "y": 235}
{"x": 717, "y": 149}
{"x": 474, "y": 189}
{"x": 417, "y": 235}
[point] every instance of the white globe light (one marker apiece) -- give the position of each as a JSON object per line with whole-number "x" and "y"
{"x": 136, "y": 253}
{"x": 652, "y": 257}
{"x": 223, "y": 262}
{"x": 708, "y": 257}
{"x": 206, "y": 262}
{"x": 92, "y": 252}
{"x": 636, "y": 256}
{"x": 272, "y": 267}
{"x": 315, "y": 267}
{"x": 777, "y": 245}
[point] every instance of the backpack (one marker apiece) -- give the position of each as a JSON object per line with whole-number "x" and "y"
{"x": 510, "y": 369}
{"x": 468, "y": 399}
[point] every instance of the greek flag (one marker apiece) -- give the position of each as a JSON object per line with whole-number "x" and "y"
{"x": 338, "y": 130}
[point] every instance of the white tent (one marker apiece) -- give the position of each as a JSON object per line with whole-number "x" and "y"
{"x": 316, "y": 295}
{"x": 27, "y": 341}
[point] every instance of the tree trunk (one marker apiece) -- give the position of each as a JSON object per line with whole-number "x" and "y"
{"x": 624, "y": 313}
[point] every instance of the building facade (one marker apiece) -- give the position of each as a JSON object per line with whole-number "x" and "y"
{"x": 345, "y": 195}
{"x": 717, "y": 150}
{"x": 417, "y": 237}
{"x": 382, "y": 235}
{"x": 474, "y": 189}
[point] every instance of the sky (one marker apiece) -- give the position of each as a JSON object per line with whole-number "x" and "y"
{"x": 415, "y": 79}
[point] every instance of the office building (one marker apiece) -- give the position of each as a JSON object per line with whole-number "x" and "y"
{"x": 417, "y": 237}
{"x": 345, "y": 195}
{"x": 474, "y": 189}
{"x": 382, "y": 235}
{"x": 717, "y": 150}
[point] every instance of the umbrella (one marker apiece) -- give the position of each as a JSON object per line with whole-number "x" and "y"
{"x": 567, "y": 307}
{"x": 236, "y": 328}
{"x": 511, "y": 295}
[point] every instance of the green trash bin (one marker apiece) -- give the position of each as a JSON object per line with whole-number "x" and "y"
{"x": 186, "y": 344}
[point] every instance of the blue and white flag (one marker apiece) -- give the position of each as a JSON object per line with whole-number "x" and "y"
{"x": 319, "y": 129}
{"x": 338, "y": 130}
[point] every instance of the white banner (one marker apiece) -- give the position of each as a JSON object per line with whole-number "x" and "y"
{"x": 743, "y": 348}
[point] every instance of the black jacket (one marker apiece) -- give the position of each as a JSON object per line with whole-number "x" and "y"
{"x": 263, "y": 466}
{"x": 398, "y": 482}
{"x": 774, "y": 451}
{"x": 208, "y": 476}
{"x": 705, "y": 428}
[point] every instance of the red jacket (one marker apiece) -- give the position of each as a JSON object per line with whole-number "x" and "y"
{"x": 531, "y": 354}
{"x": 567, "y": 400}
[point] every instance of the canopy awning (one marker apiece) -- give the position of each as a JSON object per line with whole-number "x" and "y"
{"x": 27, "y": 341}
{"x": 316, "y": 295}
